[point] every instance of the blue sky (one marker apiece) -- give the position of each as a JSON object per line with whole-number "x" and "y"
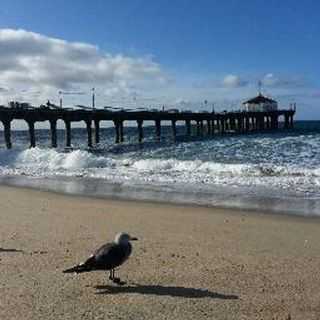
{"x": 214, "y": 50}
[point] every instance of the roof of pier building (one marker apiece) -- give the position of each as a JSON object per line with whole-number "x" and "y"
{"x": 259, "y": 99}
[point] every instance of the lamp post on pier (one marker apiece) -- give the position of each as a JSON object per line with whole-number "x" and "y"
{"x": 60, "y": 99}
{"x": 93, "y": 98}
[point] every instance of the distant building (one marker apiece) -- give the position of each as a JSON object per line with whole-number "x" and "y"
{"x": 19, "y": 105}
{"x": 260, "y": 103}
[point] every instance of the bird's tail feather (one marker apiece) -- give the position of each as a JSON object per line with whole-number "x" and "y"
{"x": 77, "y": 269}
{"x": 82, "y": 267}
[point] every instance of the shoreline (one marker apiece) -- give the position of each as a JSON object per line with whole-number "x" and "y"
{"x": 101, "y": 189}
{"x": 190, "y": 261}
{"x": 148, "y": 202}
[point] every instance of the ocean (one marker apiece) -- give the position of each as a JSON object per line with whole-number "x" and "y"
{"x": 272, "y": 172}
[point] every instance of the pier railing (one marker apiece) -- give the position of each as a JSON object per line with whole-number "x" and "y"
{"x": 206, "y": 123}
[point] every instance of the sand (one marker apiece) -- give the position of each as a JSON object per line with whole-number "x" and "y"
{"x": 189, "y": 262}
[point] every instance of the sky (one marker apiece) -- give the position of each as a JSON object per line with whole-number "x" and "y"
{"x": 154, "y": 53}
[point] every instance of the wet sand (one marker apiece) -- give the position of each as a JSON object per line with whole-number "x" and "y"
{"x": 190, "y": 262}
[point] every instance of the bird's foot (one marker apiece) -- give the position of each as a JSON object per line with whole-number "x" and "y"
{"x": 118, "y": 281}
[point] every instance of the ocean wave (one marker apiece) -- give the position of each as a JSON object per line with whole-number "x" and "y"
{"x": 50, "y": 161}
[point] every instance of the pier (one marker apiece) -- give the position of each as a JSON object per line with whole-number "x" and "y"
{"x": 204, "y": 123}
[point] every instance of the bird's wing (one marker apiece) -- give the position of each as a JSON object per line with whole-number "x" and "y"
{"x": 110, "y": 255}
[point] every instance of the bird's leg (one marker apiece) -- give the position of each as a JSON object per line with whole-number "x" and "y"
{"x": 117, "y": 280}
{"x": 114, "y": 279}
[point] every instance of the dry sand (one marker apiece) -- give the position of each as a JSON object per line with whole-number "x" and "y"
{"x": 190, "y": 262}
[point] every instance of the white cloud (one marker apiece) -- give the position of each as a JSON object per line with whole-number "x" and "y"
{"x": 270, "y": 80}
{"x": 34, "y": 67}
{"x": 31, "y": 62}
{"x": 273, "y": 81}
{"x": 233, "y": 81}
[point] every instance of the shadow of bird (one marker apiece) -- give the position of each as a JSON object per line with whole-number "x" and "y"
{"x": 172, "y": 291}
{"x": 10, "y": 250}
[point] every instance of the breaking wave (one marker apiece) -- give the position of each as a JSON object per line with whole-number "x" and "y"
{"x": 50, "y": 163}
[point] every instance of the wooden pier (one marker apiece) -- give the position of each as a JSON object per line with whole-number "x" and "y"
{"x": 206, "y": 123}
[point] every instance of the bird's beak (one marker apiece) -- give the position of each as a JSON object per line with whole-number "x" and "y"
{"x": 133, "y": 238}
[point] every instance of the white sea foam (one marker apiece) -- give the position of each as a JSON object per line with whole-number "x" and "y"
{"x": 284, "y": 164}
{"x": 48, "y": 162}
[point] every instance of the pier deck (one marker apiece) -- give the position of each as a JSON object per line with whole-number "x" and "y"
{"x": 206, "y": 123}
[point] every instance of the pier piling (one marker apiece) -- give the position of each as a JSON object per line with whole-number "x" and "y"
{"x": 68, "y": 133}
{"x": 201, "y": 128}
{"x": 188, "y": 128}
{"x": 117, "y": 131}
{"x": 121, "y": 132}
{"x": 247, "y": 124}
{"x": 209, "y": 127}
{"x": 240, "y": 123}
{"x": 223, "y": 126}
{"x": 174, "y": 130}
{"x": 7, "y": 133}
{"x": 140, "y": 130}
{"x": 32, "y": 134}
{"x": 198, "y": 128}
{"x": 291, "y": 121}
{"x": 97, "y": 131}
{"x": 158, "y": 130}
{"x": 89, "y": 133}
{"x": 53, "y": 131}
{"x": 218, "y": 125}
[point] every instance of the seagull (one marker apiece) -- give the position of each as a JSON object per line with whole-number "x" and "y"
{"x": 107, "y": 257}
